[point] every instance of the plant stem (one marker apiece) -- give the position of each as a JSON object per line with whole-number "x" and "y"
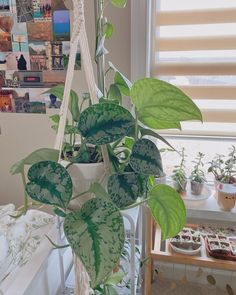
{"x": 25, "y": 194}
{"x": 80, "y": 194}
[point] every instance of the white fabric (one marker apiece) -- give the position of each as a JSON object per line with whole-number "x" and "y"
{"x": 19, "y": 238}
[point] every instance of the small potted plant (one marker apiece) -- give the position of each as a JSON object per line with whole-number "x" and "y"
{"x": 197, "y": 177}
{"x": 179, "y": 176}
{"x": 224, "y": 171}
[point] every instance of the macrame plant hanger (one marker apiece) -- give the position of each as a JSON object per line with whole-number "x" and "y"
{"x": 78, "y": 37}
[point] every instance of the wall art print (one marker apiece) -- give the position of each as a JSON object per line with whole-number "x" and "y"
{"x": 34, "y": 53}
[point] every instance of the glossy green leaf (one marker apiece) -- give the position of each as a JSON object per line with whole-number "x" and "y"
{"x": 115, "y": 278}
{"x": 149, "y": 132}
{"x": 121, "y": 81}
{"x": 96, "y": 235}
{"x": 74, "y": 106}
{"x": 145, "y": 158}
{"x": 119, "y": 3}
{"x": 124, "y": 189}
{"x": 108, "y": 30}
{"x": 58, "y": 91}
{"x": 162, "y": 103}
{"x": 55, "y": 118}
{"x": 49, "y": 183}
{"x": 155, "y": 123}
{"x": 44, "y": 154}
{"x": 105, "y": 123}
{"x": 114, "y": 93}
{"x": 168, "y": 210}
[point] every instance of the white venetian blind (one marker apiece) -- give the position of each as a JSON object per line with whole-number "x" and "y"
{"x": 195, "y": 49}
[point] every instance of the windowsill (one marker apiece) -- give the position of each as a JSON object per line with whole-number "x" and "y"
{"x": 208, "y": 211}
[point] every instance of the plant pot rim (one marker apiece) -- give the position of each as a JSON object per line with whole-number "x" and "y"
{"x": 229, "y": 188}
{"x": 84, "y": 164}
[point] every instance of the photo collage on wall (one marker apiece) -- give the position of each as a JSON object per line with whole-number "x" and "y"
{"x": 34, "y": 53}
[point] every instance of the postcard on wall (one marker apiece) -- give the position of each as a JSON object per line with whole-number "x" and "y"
{"x": 34, "y": 53}
{"x": 6, "y": 24}
{"x": 61, "y": 25}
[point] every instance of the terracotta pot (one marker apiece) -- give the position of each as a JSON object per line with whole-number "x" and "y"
{"x": 225, "y": 195}
{"x": 196, "y": 187}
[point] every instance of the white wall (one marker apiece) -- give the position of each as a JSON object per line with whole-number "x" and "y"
{"x": 23, "y": 133}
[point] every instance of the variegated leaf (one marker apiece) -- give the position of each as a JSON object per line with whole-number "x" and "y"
{"x": 50, "y": 183}
{"x": 124, "y": 189}
{"x": 168, "y": 209}
{"x": 104, "y": 123}
{"x": 96, "y": 235}
{"x": 146, "y": 158}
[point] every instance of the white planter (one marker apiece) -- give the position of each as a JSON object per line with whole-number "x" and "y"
{"x": 226, "y": 195}
{"x": 83, "y": 175}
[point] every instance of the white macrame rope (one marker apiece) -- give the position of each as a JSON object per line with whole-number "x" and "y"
{"x": 78, "y": 21}
{"x": 78, "y": 36}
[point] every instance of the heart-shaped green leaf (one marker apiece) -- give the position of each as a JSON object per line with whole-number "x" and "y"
{"x": 58, "y": 91}
{"x": 119, "y": 3}
{"x": 146, "y": 158}
{"x": 104, "y": 123}
{"x": 39, "y": 155}
{"x": 124, "y": 189}
{"x": 168, "y": 210}
{"x": 108, "y": 29}
{"x": 96, "y": 235}
{"x": 114, "y": 93}
{"x": 159, "y": 102}
{"x": 50, "y": 183}
{"x": 121, "y": 81}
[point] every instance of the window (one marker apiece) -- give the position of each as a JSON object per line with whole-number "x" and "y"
{"x": 194, "y": 47}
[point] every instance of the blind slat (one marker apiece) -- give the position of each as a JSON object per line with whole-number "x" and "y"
{"x": 196, "y": 43}
{"x": 210, "y": 92}
{"x": 194, "y": 68}
{"x": 193, "y": 17}
{"x": 220, "y": 116}
{"x": 199, "y": 65}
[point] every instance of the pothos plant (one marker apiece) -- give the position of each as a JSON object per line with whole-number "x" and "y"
{"x": 96, "y": 230}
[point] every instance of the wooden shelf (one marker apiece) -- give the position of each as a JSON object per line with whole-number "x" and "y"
{"x": 156, "y": 251}
{"x": 202, "y": 259}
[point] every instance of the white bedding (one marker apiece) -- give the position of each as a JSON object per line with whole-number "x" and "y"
{"x": 19, "y": 238}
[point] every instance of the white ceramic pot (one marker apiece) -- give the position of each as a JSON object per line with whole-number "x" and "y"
{"x": 225, "y": 195}
{"x": 83, "y": 175}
